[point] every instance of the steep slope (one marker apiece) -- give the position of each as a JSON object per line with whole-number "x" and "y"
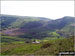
{"x": 53, "y": 36}
{"x": 12, "y": 21}
{"x": 34, "y": 27}
{"x": 62, "y": 22}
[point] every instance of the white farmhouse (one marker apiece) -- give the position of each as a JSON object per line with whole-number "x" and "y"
{"x": 36, "y": 42}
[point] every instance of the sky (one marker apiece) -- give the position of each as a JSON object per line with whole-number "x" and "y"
{"x": 48, "y": 9}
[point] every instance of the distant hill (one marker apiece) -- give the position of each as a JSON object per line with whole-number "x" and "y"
{"x": 18, "y": 21}
{"x": 34, "y": 27}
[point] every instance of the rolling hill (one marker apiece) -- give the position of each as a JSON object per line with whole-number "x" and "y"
{"x": 19, "y": 32}
{"x": 35, "y": 27}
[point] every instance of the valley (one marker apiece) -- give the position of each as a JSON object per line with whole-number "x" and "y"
{"x": 36, "y": 35}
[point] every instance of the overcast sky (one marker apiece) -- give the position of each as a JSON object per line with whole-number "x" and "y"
{"x": 49, "y": 9}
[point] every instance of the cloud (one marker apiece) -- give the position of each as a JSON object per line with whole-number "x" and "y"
{"x": 49, "y": 9}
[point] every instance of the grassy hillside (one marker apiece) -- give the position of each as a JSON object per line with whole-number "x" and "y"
{"x": 10, "y": 39}
{"x": 57, "y": 46}
{"x": 50, "y": 47}
{"x": 23, "y": 35}
{"x": 34, "y": 27}
{"x": 12, "y": 21}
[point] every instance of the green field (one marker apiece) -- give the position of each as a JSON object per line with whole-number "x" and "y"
{"x": 26, "y": 35}
{"x": 49, "y": 47}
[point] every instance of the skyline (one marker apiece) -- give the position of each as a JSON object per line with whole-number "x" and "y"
{"x": 38, "y": 8}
